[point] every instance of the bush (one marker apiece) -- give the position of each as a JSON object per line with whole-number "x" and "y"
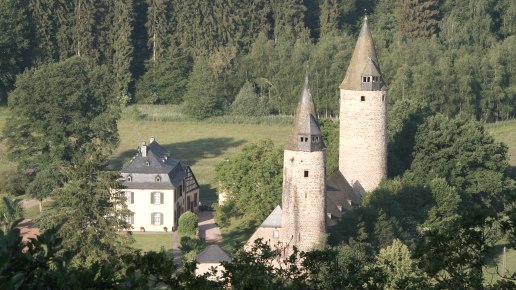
{"x": 188, "y": 223}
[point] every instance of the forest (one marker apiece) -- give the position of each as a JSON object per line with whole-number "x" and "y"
{"x": 215, "y": 56}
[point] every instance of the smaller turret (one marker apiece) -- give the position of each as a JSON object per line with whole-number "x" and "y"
{"x": 305, "y": 134}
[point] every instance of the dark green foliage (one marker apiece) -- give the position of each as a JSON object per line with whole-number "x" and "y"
{"x": 14, "y": 43}
{"x": 123, "y": 47}
{"x": 416, "y": 18}
{"x": 58, "y": 110}
{"x": 91, "y": 206}
{"x": 459, "y": 150}
{"x": 330, "y": 132}
{"x": 204, "y": 97}
{"x": 188, "y": 223}
{"x": 249, "y": 103}
{"x": 404, "y": 117}
{"x": 251, "y": 182}
{"x": 10, "y": 210}
{"x": 165, "y": 81}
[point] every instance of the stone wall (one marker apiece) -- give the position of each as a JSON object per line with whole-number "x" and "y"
{"x": 303, "y": 213}
{"x": 363, "y": 138}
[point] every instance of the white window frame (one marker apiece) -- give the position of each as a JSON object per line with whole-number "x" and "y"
{"x": 156, "y": 219}
{"x": 156, "y": 197}
{"x": 129, "y": 197}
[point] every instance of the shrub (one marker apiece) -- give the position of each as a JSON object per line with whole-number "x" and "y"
{"x": 188, "y": 223}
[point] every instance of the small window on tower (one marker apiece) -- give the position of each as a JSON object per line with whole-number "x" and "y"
{"x": 362, "y": 98}
{"x": 306, "y": 173}
{"x": 383, "y": 98}
{"x": 302, "y": 139}
{"x": 364, "y": 79}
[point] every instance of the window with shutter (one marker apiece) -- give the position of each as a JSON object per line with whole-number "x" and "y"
{"x": 157, "y": 198}
{"x": 129, "y": 195}
{"x": 157, "y": 218}
{"x": 162, "y": 198}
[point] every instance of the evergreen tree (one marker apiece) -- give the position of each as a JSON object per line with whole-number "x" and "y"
{"x": 122, "y": 47}
{"x": 416, "y": 18}
{"x": 249, "y": 103}
{"x": 158, "y": 26}
{"x": 203, "y": 96}
{"x": 14, "y": 43}
{"x": 165, "y": 81}
{"x": 329, "y": 16}
{"x": 91, "y": 208}
{"x": 42, "y": 15}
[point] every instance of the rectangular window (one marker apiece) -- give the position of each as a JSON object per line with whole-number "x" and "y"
{"x": 306, "y": 173}
{"x": 129, "y": 219}
{"x": 195, "y": 200}
{"x": 129, "y": 197}
{"x": 157, "y": 198}
{"x": 157, "y": 218}
{"x": 275, "y": 234}
{"x": 180, "y": 190}
{"x": 362, "y": 98}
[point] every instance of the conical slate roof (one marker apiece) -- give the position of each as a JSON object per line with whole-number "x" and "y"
{"x": 304, "y": 120}
{"x": 363, "y": 61}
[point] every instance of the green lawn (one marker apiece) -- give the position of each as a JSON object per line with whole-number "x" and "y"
{"x": 152, "y": 242}
{"x": 200, "y": 144}
{"x": 494, "y": 267}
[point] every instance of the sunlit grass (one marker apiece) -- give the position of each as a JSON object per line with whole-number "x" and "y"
{"x": 152, "y": 242}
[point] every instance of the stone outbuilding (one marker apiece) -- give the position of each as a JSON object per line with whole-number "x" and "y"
{"x": 211, "y": 256}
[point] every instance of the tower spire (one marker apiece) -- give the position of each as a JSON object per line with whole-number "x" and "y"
{"x": 363, "y": 71}
{"x": 305, "y": 134}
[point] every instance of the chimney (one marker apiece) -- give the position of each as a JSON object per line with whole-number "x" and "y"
{"x": 143, "y": 149}
{"x": 152, "y": 139}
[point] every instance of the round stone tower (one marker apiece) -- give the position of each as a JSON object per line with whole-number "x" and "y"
{"x": 303, "y": 199}
{"x": 363, "y": 118}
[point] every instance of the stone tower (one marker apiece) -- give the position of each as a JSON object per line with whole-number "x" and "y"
{"x": 363, "y": 99}
{"x": 303, "y": 199}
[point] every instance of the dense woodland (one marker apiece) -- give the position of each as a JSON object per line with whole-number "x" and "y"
{"x": 68, "y": 67}
{"x": 213, "y": 55}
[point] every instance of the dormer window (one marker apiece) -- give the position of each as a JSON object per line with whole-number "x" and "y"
{"x": 147, "y": 163}
{"x": 158, "y": 178}
{"x": 366, "y": 79}
{"x": 129, "y": 178}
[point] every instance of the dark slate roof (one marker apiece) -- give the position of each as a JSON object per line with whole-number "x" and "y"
{"x": 212, "y": 254}
{"x": 159, "y": 161}
{"x": 340, "y": 197}
{"x": 274, "y": 219}
{"x": 304, "y": 121}
{"x": 363, "y": 55}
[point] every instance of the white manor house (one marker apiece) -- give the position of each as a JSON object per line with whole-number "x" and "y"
{"x": 158, "y": 188}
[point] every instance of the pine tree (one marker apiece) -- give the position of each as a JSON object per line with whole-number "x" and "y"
{"x": 91, "y": 208}
{"x": 122, "y": 46}
{"x": 329, "y": 17}
{"x": 14, "y": 43}
{"x": 158, "y": 26}
{"x": 417, "y": 18}
{"x": 42, "y": 15}
{"x": 203, "y": 96}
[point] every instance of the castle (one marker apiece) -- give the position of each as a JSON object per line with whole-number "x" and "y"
{"x": 311, "y": 200}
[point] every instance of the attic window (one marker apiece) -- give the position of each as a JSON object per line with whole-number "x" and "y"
{"x": 158, "y": 178}
{"x": 129, "y": 178}
{"x": 306, "y": 173}
{"x": 362, "y": 98}
{"x": 147, "y": 163}
{"x": 366, "y": 79}
{"x": 375, "y": 78}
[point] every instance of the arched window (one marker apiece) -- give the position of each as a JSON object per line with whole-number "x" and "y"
{"x": 129, "y": 178}
{"x": 147, "y": 163}
{"x": 158, "y": 178}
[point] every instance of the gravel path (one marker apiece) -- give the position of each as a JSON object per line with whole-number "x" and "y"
{"x": 208, "y": 230}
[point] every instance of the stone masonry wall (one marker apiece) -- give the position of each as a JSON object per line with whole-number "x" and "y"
{"x": 363, "y": 138}
{"x": 304, "y": 204}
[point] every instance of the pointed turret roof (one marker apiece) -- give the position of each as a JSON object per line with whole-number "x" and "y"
{"x": 363, "y": 61}
{"x": 304, "y": 121}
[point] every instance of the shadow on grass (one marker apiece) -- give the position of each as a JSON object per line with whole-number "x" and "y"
{"x": 234, "y": 237}
{"x": 208, "y": 195}
{"x": 189, "y": 152}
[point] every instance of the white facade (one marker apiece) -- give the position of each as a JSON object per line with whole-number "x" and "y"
{"x": 152, "y": 209}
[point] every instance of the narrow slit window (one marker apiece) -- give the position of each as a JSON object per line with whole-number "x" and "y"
{"x": 362, "y": 98}
{"x": 383, "y": 98}
{"x": 306, "y": 173}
